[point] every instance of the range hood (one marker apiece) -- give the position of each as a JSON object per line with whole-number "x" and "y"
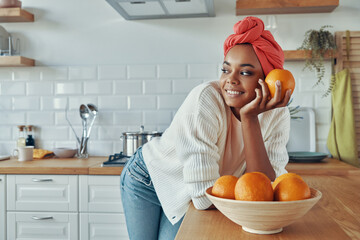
{"x": 157, "y": 9}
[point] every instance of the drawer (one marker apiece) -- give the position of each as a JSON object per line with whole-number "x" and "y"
{"x": 99, "y": 226}
{"x": 41, "y": 225}
{"x": 100, "y": 194}
{"x": 42, "y": 193}
{"x": 2, "y": 208}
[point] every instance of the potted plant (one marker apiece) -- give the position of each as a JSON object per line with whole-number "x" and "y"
{"x": 320, "y": 43}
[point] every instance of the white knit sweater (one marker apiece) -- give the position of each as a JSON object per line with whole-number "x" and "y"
{"x": 184, "y": 161}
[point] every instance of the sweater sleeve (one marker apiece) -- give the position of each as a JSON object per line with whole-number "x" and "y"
{"x": 197, "y": 146}
{"x": 276, "y": 140}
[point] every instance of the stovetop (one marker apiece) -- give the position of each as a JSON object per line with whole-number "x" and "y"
{"x": 116, "y": 160}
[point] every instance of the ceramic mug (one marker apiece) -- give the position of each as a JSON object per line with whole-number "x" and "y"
{"x": 24, "y": 153}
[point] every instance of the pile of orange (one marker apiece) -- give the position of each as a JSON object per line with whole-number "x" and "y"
{"x": 256, "y": 186}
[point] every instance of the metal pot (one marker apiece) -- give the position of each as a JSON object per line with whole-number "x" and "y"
{"x": 133, "y": 140}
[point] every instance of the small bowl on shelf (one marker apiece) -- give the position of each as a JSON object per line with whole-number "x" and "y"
{"x": 264, "y": 217}
{"x": 65, "y": 152}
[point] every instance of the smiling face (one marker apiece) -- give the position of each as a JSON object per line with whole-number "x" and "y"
{"x": 241, "y": 73}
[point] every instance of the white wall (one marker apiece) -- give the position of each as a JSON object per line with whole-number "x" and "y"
{"x": 137, "y": 72}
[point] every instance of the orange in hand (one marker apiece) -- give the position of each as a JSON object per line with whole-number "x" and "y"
{"x": 291, "y": 188}
{"x": 224, "y": 187}
{"x": 286, "y": 79}
{"x": 254, "y": 186}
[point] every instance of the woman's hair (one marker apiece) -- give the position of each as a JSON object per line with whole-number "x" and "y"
{"x": 251, "y": 30}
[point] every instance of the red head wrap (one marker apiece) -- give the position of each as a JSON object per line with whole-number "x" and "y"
{"x": 251, "y": 30}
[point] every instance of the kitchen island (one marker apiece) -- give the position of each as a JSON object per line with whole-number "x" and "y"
{"x": 335, "y": 216}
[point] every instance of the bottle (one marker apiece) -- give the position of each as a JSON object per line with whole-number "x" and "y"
{"x": 30, "y": 141}
{"x": 21, "y": 139}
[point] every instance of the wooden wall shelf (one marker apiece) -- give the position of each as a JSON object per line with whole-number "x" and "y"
{"x": 300, "y": 55}
{"x": 16, "y": 61}
{"x": 15, "y": 15}
{"x": 251, "y": 7}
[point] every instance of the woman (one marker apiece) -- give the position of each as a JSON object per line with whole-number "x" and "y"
{"x": 226, "y": 127}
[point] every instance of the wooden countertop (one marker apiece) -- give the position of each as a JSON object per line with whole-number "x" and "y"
{"x": 335, "y": 216}
{"x": 92, "y": 166}
{"x": 72, "y": 166}
{"x": 328, "y": 166}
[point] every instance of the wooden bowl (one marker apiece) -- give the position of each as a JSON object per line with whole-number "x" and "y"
{"x": 264, "y": 217}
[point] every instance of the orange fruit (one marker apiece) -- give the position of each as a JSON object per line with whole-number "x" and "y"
{"x": 291, "y": 189}
{"x": 224, "y": 187}
{"x": 254, "y": 186}
{"x": 281, "y": 177}
{"x": 284, "y": 76}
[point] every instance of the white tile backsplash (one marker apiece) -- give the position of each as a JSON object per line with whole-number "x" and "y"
{"x": 54, "y": 73}
{"x": 26, "y": 103}
{"x": 113, "y": 102}
{"x": 26, "y": 74}
{"x": 39, "y": 88}
{"x": 322, "y": 131}
{"x": 12, "y": 118}
{"x": 127, "y": 96}
{"x": 82, "y": 73}
{"x": 128, "y": 87}
{"x": 41, "y": 118}
{"x": 323, "y": 115}
{"x": 185, "y": 85}
{"x": 171, "y": 71}
{"x": 6, "y": 74}
{"x": 112, "y": 72}
{"x": 54, "y": 134}
{"x": 111, "y": 132}
{"x": 12, "y": 88}
{"x": 170, "y": 101}
{"x": 142, "y": 102}
{"x": 158, "y": 117}
{"x": 128, "y": 118}
{"x": 5, "y": 103}
{"x": 98, "y": 87}
{"x": 5, "y": 133}
{"x": 68, "y": 88}
{"x": 53, "y": 103}
{"x": 210, "y": 71}
{"x": 157, "y": 87}
{"x": 141, "y": 71}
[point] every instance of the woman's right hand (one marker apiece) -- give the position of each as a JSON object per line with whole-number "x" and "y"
{"x": 262, "y": 103}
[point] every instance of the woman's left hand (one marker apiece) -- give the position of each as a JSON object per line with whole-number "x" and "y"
{"x": 261, "y": 103}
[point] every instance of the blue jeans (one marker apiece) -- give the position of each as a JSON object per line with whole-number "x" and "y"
{"x": 145, "y": 218}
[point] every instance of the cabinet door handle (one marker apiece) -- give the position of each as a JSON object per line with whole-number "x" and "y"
{"x": 42, "y": 218}
{"x": 42, "y": 180}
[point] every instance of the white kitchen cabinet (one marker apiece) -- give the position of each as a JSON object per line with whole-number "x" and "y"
{"x": 100, "y": 226}
{"x": 100, "y": 193}
{"x": 101, "y": 211}
{"x": 42, "y": 207}
{"x": 42, "y": 225}
{"x": 2, "y": 208}
{"x": 42, "y": 193}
